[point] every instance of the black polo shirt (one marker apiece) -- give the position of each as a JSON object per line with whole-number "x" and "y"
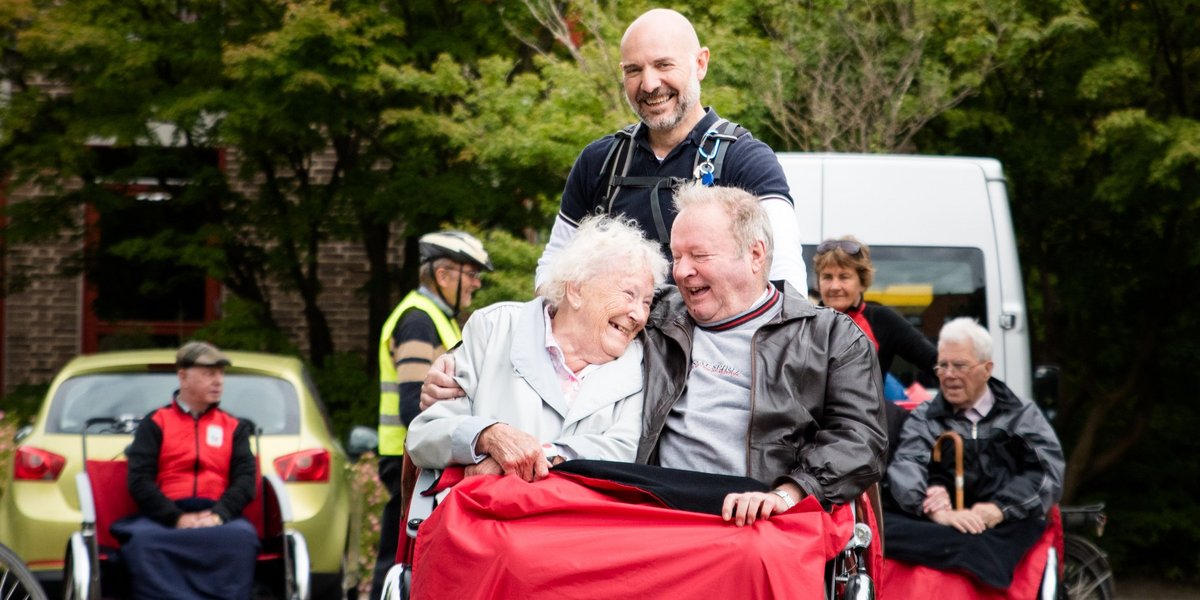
{"x": 749, "y": 164}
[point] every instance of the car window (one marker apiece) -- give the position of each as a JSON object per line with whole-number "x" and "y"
{"x": 269, "y": 402}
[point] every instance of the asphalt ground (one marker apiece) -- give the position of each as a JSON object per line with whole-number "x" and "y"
{"x": 1149, "y": 589}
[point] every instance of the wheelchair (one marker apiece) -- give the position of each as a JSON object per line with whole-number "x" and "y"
{"x": 848, "y": 576}
{"x": 92, "y": 568}
{"x": 16, "y": 580}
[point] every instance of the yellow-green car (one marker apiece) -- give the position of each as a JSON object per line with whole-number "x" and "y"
{"x": 41, "y": 509}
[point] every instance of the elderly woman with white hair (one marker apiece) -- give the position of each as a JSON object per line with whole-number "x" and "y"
{"x": 559, "y": 377}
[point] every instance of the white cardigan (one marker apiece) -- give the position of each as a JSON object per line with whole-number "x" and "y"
{"x": 505, "y": 370}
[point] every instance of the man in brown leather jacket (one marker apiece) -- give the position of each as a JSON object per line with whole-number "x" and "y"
{"x": 743, "y": 379}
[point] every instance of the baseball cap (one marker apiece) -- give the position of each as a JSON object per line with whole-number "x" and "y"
{"x": 200, "y": 354}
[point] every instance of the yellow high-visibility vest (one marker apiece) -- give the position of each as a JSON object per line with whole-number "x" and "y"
{"x": 391, "y": 429}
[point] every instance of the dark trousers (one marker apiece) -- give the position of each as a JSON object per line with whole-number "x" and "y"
{"x": 389, "y": 533}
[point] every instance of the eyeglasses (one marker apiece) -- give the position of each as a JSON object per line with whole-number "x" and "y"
{"x": 954, "y": 368}
{"x": 468, "y": 273}
{"x": 847, "y": 246}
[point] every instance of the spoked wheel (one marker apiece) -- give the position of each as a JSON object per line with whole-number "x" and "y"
{"x": 1087, "y": 574}
{"x": 16, "y": 581}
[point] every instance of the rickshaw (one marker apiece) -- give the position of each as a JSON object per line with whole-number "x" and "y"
{"x": 578, "y": 519}
{"x": 1061, "y": 565}
{"x": 92, "y": 568}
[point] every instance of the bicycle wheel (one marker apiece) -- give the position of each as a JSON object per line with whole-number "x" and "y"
{"x": 1087, "y": 574}
{"x": 16, "y": 581}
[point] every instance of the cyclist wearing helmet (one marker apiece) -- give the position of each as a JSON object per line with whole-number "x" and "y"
{"x": 420, "y": 328}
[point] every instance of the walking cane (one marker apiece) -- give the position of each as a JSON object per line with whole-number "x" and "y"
{"x": 958, "y": 463}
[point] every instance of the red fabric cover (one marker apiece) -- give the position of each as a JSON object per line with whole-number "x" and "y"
{"x": 112, "y": 502}
{"x": 185, "y": 437}
{"x": 501, "y": 537}
{"x": 448, "y": 479}
{"x": 110, "y": 497}
{"x": 903, "y": 580}
{"x": 257, "y": 510}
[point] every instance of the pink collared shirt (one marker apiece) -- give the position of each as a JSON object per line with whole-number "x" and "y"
{"x": 568, "y": 380}
{"x": 982, "y": 407}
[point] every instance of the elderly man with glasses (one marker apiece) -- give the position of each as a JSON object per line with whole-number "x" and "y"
{"x": 1011, "y": 468}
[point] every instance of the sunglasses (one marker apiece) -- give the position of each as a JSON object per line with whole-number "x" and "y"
{"x": 847, "y": 246}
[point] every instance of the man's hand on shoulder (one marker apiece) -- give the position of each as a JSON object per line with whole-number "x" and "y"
{"x": 439, "y": 382}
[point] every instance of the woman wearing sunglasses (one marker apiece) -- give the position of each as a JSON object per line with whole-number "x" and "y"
{"x": 844, "y": 272}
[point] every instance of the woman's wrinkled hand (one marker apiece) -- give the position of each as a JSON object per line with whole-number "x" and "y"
{"x": 515, "y": 451}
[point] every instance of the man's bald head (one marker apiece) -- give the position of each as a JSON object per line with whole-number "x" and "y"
{"x": 664, "y": 23}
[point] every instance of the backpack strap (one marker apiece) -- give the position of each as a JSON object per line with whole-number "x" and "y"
{"x": 655, "y": 184}
{"x": 710, "y": 156}
{"x": 622, "y": 144}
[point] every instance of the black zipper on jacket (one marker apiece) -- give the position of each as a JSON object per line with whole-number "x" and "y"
{"x": 196, "y": 464}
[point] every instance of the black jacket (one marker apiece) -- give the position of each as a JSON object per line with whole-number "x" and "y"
{"x": 816, "y": 414}
{"x": 143, "y": 456}
{"x": 1012, "y": 457}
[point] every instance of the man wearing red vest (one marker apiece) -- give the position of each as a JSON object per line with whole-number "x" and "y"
{"x": 191, "y": 473}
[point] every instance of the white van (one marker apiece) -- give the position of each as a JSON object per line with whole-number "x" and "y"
{"x": 941, "y": 238}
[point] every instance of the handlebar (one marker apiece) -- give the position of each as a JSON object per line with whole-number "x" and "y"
{"x": 120, "y": 424}
{"x": 1091, "y": 515}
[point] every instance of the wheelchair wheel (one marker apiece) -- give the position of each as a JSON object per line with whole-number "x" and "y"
{"x": 1086, "y": 572}
{"x": 16, "y": 581}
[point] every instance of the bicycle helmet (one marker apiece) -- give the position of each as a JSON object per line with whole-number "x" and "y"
{"x": 458, "y": 246}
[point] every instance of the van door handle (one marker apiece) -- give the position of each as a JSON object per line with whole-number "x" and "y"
{"x": 1008, "y": 320}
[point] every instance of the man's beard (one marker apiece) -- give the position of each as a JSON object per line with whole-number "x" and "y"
{"x": 667, "y": 121}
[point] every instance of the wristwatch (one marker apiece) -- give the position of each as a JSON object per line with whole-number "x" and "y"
{"x": 787, "y": 498}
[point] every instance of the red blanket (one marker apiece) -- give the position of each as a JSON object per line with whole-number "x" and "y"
{"x": 903, "y": 580}
{"x": 501, "y": 537}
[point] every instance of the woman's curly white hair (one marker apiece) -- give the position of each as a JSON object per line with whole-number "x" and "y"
{"x": 602, "y": 244}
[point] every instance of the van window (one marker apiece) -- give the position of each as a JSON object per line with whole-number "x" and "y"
{"x": 929, "y": 286}
{"x": 271, "y": 403}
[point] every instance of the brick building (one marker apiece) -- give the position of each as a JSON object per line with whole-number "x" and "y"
{"x": 65, "y": 308}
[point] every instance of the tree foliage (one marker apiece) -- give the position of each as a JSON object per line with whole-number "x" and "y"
{"x": 462, "y": 112}
{"x": 321, "y": 140}
{"x": 1098, "y": 130}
